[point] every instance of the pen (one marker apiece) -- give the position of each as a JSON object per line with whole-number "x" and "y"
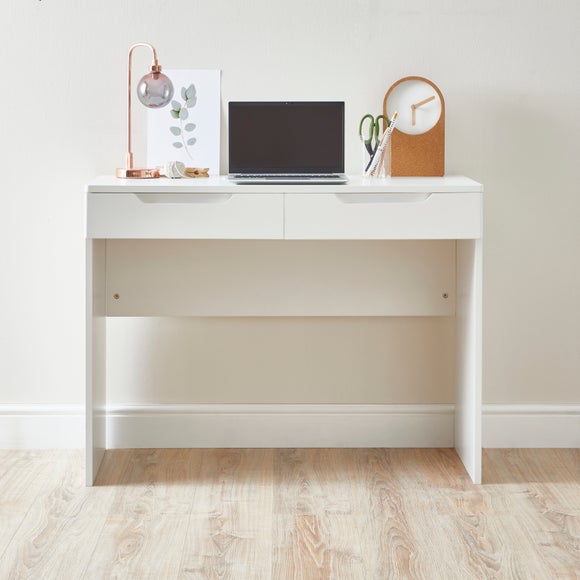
{"x": 384, "y": 140}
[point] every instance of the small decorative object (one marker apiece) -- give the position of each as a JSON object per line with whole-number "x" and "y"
{"x": 418, "y": 141}
{"x": 177, "y": 170}
{"x": 189, "y": 131}
{"x": 154, "y": 90}
{"x": 197, "y": 171}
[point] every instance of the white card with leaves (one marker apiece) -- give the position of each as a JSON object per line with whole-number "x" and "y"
{"x": 188, "y": 129}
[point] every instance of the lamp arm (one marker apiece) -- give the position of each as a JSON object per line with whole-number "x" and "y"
{"x": 154, "y": 68}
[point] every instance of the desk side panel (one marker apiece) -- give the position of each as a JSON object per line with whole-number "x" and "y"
{"x": 95, "y": 357}
{"x": 468, "y": 402}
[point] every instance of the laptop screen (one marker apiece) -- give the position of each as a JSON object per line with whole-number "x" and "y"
{"x": 286, "y": 137}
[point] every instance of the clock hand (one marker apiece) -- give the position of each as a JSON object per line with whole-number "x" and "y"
{"x": 417, "y": 105}
{"x": 423, "y": 102}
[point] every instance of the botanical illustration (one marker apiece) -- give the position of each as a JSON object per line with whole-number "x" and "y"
{"x": 188, "y": 129}
{"x": 180, "y": 111}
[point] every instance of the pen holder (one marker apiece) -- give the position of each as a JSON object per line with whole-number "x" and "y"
{"x": 364, "y": 158}
{"x": 383, "y": 166}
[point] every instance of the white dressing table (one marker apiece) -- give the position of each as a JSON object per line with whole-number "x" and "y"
{"x": 123, "y": 215}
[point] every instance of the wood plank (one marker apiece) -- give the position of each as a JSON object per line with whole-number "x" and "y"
{"x": 544, "y": 506}
{"x": 230, "y": 526}
{"x": 143, "y": 535}
{"x": 58, "y": 532}
{"x": 424, "y": 478}
{"x": 21, "y": 479}
{"x": 315, "y": 515}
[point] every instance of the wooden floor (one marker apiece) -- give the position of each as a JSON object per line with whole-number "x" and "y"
{"x": 290, "y": 513}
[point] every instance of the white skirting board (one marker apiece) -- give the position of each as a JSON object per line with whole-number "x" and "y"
{"x": 42, "y": 426}
{"x": 62, "y": 426}
{"x": 282, "y": 426}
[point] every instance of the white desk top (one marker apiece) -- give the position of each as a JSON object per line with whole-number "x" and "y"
{"x": 221, "y": 184}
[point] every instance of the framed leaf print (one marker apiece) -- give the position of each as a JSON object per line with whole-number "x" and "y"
{"x": 188, "y": 129}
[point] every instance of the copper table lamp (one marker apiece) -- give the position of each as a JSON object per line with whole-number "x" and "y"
{"x": 154, "y": 90}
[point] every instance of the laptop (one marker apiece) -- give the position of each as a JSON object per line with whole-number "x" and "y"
{"x": 286, "y": 142}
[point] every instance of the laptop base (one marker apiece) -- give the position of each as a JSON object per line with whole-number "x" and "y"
{"x": 270, "y": 179}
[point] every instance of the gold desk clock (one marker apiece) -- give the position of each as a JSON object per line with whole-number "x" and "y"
{"x": 418, "y": 140}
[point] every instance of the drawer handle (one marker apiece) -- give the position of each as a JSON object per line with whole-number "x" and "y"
{"x": 383, "y": 197}
{"x": 176, "y": 198}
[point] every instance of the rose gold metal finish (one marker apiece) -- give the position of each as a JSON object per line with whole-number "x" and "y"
{"x": 129, "y": 172}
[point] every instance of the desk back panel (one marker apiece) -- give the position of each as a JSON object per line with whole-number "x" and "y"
{"x": 280, "y": 278}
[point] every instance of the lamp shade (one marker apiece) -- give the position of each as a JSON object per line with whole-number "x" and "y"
{"x": 155, "y": 90}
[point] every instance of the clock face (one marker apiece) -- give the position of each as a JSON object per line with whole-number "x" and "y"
{"x": 418, "y": 104}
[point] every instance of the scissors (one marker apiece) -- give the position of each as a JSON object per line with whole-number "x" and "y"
{"x": 372, "y": 139}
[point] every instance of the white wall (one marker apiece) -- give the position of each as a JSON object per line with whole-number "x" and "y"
{"x": 507, "y": 68}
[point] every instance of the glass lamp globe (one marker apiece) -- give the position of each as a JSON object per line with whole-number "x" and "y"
{"x": 155, "y": 90}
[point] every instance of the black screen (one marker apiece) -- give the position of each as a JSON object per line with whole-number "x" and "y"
{"x": 300, "y": 137}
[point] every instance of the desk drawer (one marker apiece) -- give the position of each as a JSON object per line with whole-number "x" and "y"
{"x": 185, "y": 216}
{"x": 383, "y": 216}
